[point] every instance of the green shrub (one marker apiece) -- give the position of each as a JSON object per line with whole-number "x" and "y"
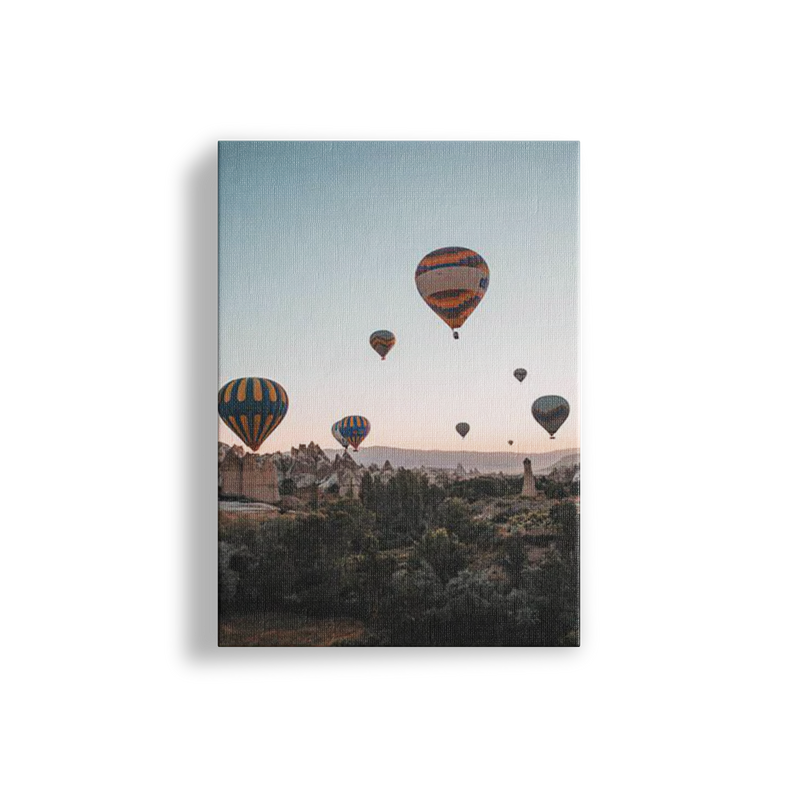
{"x": 446, "y": 555}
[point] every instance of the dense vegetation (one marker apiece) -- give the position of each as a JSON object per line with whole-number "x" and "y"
{"x": 418, "y": 564}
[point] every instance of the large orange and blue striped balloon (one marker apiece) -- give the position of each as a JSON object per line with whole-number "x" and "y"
{"x": 252, "y": 408}
{"x": 551, "y": 412}
{"x": 354, "y": 430}
{"x": 382, "y": 342}
{"x": 452, "y": 281}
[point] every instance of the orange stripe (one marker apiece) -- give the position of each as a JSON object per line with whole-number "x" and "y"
{"x": 241, "y": 393}
{"x": 451, "y": 302}
{"x": 243, "y": 420}
{"x": 430, "y": 261}
{"x": 258, "y": 392}
{"x": 275, "y": 422}
{"x": 256, "y": 425}
{"x": 236, "y": 429}
{"x": 228, "y": 390}
{"x": 273, "y": 396}
{"x": 267, "y": 429}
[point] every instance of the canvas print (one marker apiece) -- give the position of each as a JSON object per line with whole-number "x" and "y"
{"x": 399, "y": 452}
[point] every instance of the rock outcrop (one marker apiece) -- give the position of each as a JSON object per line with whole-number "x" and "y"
{"x": 230, "y": 472}
{"x": 259, "y": 479}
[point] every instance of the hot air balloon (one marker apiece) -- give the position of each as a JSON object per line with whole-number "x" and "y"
{"x": 550, "y": 411}
{"x": 452, "y": 281}
{"x": 252, "y": 408}
{"x": 382, "y": 342}
{"x": 353, "y": 430}
{"x": 338, "y": 436}
{"x": 463, "y": 429}
{"x": 510, "y": 442}
{"x": 520, "y": 374}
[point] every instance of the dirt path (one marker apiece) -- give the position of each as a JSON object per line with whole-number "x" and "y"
{"x": 286, "y": 630}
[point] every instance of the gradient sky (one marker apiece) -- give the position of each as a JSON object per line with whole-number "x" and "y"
{"x": 318, "y": 244}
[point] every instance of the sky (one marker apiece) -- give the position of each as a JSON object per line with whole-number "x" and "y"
{"x": 318, "y": 245}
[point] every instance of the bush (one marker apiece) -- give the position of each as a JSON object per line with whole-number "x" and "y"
{"x": 443, "y": 552}
{"x": 473, "y": 610}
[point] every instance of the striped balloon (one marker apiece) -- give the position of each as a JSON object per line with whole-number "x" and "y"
{"x": 382, "y": 342}
{"x": 252, "y": 408}
{"x": 354, "y": 430}
{"x": 452, "y": 281}
{"x": 551, "y": 412}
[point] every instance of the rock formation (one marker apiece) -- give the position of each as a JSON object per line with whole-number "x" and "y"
{"x": 349, "y": 484}
{"x": 259, "y": 479}
{"x": 230, "y": 472}
{"x": 528, "y": 483}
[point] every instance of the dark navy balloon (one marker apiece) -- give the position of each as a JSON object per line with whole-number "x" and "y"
{"x": 463, "y": 429}
{"x": 551, "y": 412}
{"x": 520, "y": 374}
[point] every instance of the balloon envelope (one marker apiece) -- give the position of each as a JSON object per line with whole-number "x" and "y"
{"x": 338, "y": 436}
{"x": 511, "y": 441}
{"x": 354, "y": 430}
{"x": 452, "y": 281}
{"x": 520, "y": 374}
{"x": 382, "y": 342}
{"x": 550, "y": 411}
{"x": 463, "y": 429}
{"x": 252, "y": 408}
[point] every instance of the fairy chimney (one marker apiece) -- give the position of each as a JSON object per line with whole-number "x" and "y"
{"x": 528, "y": 483}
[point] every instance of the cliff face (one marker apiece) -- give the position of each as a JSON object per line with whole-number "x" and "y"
{"x": 249, "y": 476}
{"x": 259, "y": 479}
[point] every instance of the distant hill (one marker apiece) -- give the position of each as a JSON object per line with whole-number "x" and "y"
{"x": 502, "y": 461}
{"x": 570, "y": 460}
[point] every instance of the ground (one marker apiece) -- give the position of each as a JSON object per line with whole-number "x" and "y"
{"x": 284, "y": 629}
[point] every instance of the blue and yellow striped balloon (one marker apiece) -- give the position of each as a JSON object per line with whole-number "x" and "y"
{"x": 551, "y": 412}
{"x": 452, "y": 281}
{"x": 252, "y": 408}
{"x": 354, "y": 430}
{"x": 382, "y": 342}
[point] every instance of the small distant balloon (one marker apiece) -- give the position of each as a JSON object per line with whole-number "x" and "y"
{"x": 463, "y": 429}
{"x": 452, "y": 281}
{"x": 510, "y": 441}
{"x": 252, "y": 408}
{"x": 551, "y": 412}
{"x": 354, "y": 430}
{"x": 382, "y": 342}
{"x": 520, "y": 374}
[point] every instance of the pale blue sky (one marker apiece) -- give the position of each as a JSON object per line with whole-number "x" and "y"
{"x": 318, "y": 244}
